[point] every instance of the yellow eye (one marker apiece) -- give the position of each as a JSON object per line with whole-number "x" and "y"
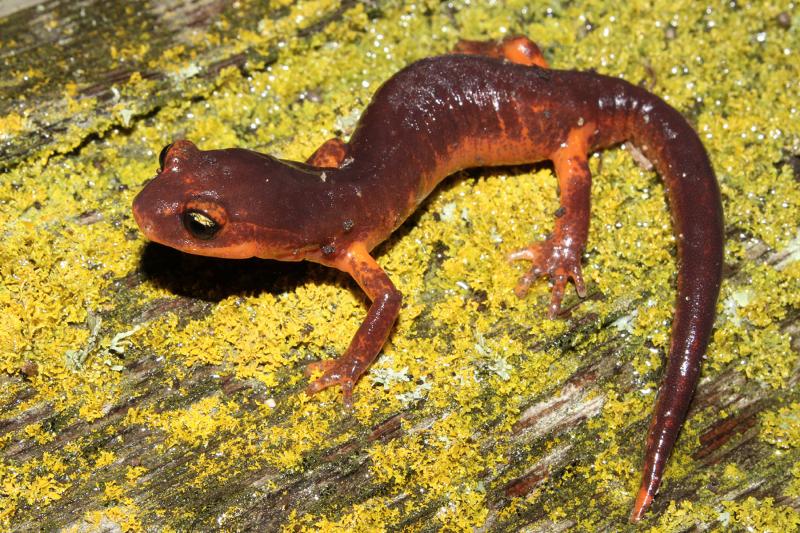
{"x": 199, "y": 224}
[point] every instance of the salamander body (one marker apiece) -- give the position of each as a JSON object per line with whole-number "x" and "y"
{"x": 487, "y": 104}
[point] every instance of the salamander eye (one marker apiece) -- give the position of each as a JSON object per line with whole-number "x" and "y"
{"x": 200, "y": 225}
{"x": 163, "y": 156}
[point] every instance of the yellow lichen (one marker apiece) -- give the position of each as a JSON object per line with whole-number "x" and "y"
{"x": 112, "y": 492}
{"x": 781, "y": 428}
{"x": 195, "y": 425}
{"x": 438, "y": 463}
{"x": 104, "y": 458}
{"x": 42, "y": 490}
{"x": 133, "y": 473}
{"x": 793, "y": 488}
{"x": 371, "y": 517}
{"x": 755, "y": 514}
{"x": 11, "y": 124}
{"x": 118, "y": 517}
{"x": 684, "y": 514}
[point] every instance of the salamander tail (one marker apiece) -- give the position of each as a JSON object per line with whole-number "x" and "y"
{"x": 643, "y": 500}
{"x": 672, "y": 145}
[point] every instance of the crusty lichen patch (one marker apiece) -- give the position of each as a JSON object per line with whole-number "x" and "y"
{"x": 466, "y": 357}
{"x": 781, "y": 428}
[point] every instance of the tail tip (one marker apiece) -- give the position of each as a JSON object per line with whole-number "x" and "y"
{"x": 643, "y": 500}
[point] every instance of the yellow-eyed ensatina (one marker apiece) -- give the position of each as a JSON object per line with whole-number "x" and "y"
{"x": 485, "y": 104}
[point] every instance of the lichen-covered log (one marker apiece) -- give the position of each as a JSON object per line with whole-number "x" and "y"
{"x": 141, "y": 388}
{"x": 76, "y": 70}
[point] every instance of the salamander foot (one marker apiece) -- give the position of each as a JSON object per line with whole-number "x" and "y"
{"x": 558, "y": 261}
{"x": 335, "y": 372}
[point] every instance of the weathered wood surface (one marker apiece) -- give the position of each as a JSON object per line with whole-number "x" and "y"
{"x": 63, "y": 41}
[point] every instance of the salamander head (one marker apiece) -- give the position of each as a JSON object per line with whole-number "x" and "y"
{"x": 219, "y": 203}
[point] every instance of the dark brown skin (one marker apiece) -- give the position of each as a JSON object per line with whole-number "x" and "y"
{"x": 487, "y": 104}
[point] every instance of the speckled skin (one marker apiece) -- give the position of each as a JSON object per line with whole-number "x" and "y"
{"x": 490, "y": 104}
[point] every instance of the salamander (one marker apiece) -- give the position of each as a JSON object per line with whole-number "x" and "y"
{"x": 484, "y": 104}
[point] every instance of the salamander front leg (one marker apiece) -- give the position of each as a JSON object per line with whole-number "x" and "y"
{"x": 330, "y": 154}
{"x": 371, "y": 336}
{"x": 559, "y": 257}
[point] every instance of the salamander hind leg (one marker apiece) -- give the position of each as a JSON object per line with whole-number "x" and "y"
{"x": 371, "y": 336}
{"x": 559, "y": 257}
{"x": 517, "y": 49}
{"x": 330, "y": 154}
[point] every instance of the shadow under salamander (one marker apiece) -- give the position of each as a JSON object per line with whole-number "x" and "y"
{"x": 212, "y": 279}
